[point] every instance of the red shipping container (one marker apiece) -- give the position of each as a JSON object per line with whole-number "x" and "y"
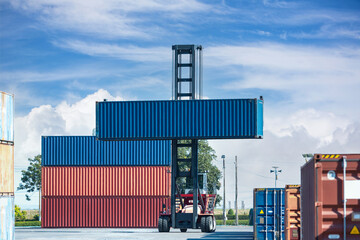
{"x": 106, "y": 181}
{"x": 101, "y": 212}
{"x": 322, "y": 197}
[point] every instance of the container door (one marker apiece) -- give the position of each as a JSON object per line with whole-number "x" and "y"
{"x": 280, "y": 214}
{"x": 330, "y": 200}
{"x": 264, "y": 214}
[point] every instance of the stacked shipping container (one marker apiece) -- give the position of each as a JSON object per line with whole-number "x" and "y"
{"x": 292, "y": 212}
{"x": 7, "y": 219}
{"x": 269, "y": 213}
{"x": 103, "y": 184}
{"x": 323, "y": 195}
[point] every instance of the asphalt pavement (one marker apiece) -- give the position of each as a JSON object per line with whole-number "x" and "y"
{"x": 222, "y": 232}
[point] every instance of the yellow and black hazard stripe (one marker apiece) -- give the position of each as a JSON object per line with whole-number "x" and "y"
{"x": 330, "y": 156}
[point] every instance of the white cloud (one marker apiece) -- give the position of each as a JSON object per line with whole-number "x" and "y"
{"x": 285, "y": 57}
{"x": 63, "y": 119}
{"x": 256, "y": 157}
{"x": 330, "y": 31}
{"x": 319, "y": 125}
{"x": 132, "y": 53}
{"x": 109, "y": 18}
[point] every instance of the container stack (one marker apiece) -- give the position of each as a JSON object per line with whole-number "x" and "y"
{"x": 7, "y": 217}
{"x": 91, "y": 183}
{"x": 269, "y": 213}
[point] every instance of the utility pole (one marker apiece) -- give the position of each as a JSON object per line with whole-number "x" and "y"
{"x": 224, "y": 205}
{"x": 276, "y": 171}
{"x": 236, "y": 193}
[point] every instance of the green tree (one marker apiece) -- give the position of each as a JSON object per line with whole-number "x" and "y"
{"x": 206, "y": 156}
{"x": 31, "y": 178}
{"x": 19, "y": 215}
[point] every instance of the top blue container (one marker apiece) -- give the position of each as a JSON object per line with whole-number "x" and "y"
{"x": 6, "y": 117}
{"x": 87, "y": 151}
{"x": 269, "y": 213}
{"x": 182, "y": 119}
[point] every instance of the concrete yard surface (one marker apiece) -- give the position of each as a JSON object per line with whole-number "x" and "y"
{"x": 222, "y": 232}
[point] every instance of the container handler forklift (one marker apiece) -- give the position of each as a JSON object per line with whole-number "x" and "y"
{"x": 194, "y": 210}
{"x": 184, "y": 205}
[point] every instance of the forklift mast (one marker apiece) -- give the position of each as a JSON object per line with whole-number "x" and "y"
{"x": 187, "y": 84}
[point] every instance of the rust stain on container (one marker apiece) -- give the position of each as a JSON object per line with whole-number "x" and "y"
{"x": 322, "y": 197}
{"x": 6, "y": 168}
{"x": 105, "y": 181}
{"x": 101, "y": 212}
{"x": 292, "y": 212}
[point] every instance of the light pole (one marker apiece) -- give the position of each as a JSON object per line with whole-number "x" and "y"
{"x": 224, "y": 205}
{"x": 236, "y": 193}
{"x": 276, "y": 171}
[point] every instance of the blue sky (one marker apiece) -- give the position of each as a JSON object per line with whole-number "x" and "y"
{"x": 58, "y": 57}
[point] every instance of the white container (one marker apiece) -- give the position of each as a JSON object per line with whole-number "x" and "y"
{"x": 7, "y": 217}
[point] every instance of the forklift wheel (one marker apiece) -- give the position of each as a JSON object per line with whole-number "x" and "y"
{"x": 206, "y": 224}
{"x": 183, "y": 229}
{"x": 213, "y": 227}
{"x": 163, "y": 224}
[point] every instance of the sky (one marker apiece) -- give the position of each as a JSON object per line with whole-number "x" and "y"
{"x": 59, "y": 57}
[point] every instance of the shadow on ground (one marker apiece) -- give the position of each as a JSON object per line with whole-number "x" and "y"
{"x": 227, "y": 235}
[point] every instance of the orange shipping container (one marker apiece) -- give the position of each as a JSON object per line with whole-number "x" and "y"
{"x": 99, "y": 212}
{"x": 6, "y": 168}
{"x": 292, "y": 212}
{"x": 106, "y": 181}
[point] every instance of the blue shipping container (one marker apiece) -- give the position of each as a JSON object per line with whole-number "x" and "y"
{"x": 7, "y": 217}
{"x": 87, "y": 151}
{"x": 183, "y": 119}
{"x": 269, "y": 210}
{"x": 6, "y": 117}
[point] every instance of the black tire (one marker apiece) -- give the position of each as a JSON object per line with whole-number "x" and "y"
{"x": 183, "y": 229}
{"x": 166, "y": 224}
{"x": 208, "y": 223}
{"x": 202, "y": 224}
{"x": 213, "y": 228}
{"x": 160, "y": 224}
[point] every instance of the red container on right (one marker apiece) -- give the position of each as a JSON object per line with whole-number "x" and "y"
{"x": 322, "y": 197}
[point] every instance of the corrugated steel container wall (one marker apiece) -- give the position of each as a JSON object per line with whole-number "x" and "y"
{"x": 186, "y": 119}
{"x": 101, "y": 212}
{"x": 87, "y": 151}
{"x": 6, "y": 117}
{"x": 7, "y": 217}
{"x": 106, "y": 181}
{"x": 292, "y": 212}
{"x": 322, "y": 196}
{"x": 269, "y": 211}
{"x": 6, "y": 168}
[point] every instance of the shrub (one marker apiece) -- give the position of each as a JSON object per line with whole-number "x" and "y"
{"x": 19, "y": 214}
{"x": 231, "y": 212}
{"x": 36, "y": 217}
{"x": 28, "y": 223}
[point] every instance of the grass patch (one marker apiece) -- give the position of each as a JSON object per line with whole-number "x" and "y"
{"x": 232, "y": 222}
{"x": 231, "y": 217}
{"x": 27, "y": 223}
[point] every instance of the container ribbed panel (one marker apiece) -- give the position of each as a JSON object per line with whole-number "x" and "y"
{"x": 6, "y": 117}
{"x": 6, "y": 168}
{"x": 106, "y": 181}
{"x": 101, "y": 212}
{"x": 199, "y": 119}
{"x": 87, "y": 151}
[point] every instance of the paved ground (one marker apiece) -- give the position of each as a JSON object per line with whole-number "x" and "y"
{"x": 230, "y": 233}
